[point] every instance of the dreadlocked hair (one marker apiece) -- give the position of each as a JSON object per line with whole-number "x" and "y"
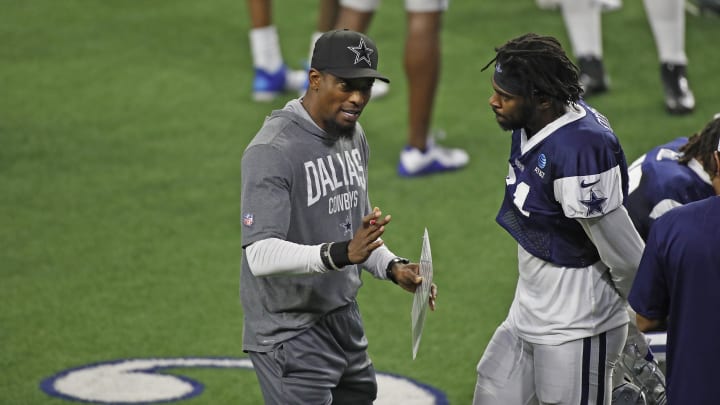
{"x": 702, "y": 145}
{"x": 542, "y": 64}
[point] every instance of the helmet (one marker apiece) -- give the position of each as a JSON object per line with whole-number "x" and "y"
{"x": 628, "y": 394}
{"x": 643, "y": 374}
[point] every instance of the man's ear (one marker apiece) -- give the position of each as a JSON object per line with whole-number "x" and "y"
{"x": 716, "y": 175}
{"x": 314, "y": 78}
{"x": 544, "y": 102}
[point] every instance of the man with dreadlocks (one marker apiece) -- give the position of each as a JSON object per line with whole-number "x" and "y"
{"x": 577, "y": 248}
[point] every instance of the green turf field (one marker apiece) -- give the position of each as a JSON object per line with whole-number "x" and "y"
{"x": 122, "y": 124}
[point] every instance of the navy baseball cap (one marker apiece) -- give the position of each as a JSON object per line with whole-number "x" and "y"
{"x": 346, "y": 54}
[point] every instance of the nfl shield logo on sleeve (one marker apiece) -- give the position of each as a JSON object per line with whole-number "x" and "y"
{"x": 247, "y": 219}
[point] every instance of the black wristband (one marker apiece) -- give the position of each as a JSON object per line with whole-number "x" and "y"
{"x": 393, "y": 262}
{"x": 339, "y": 254}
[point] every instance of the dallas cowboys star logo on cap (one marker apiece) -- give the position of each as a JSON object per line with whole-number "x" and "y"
{"x": 362, "y": 52}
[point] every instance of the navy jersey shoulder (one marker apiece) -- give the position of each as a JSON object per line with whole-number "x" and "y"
{"x": 579, "y": 148}
{"x": 665, "y": 177}
{"x": 662, "y": 178}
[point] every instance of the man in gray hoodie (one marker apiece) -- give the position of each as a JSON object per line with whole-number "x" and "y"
{"x": 308, "y": 230}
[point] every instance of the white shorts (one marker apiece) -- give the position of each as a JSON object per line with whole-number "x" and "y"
{"x": 413, "y": 6}
{"x": 514, "y": 371}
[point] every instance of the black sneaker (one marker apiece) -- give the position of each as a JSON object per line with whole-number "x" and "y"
{"x": 704, "y": 7}
{"x": 679, "y": 99}
{"x": 593, "y": 79}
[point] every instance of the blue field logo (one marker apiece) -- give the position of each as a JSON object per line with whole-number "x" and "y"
{"x": 142, "y": 381}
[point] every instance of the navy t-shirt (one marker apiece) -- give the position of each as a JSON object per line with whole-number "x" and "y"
{"x": 679, "y": 279}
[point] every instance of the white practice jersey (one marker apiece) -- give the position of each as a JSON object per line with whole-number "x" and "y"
{"x": 573, "y": 169}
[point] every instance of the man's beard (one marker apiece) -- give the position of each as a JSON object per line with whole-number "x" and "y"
{"x": 526, "y": 114}
{"x": 341, "y": 131}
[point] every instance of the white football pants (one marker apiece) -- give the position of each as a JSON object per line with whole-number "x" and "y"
{"x": 515, "y": 372}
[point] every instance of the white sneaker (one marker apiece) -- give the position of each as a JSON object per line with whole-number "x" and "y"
{"x": 379, "y": 89}
{"x": 296, "y": 80}
{"x": 548, "y": 4}
{"x": 610, "y": 5}
{"x": 607, "y": 5}
{"x": 436, "y": 159}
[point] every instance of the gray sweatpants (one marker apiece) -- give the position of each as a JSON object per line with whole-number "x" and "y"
{"x": 326, "y": 364}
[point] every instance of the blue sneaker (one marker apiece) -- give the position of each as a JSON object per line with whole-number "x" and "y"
{"x": 435, "y": 159}
{"x": 267, "y": 86}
